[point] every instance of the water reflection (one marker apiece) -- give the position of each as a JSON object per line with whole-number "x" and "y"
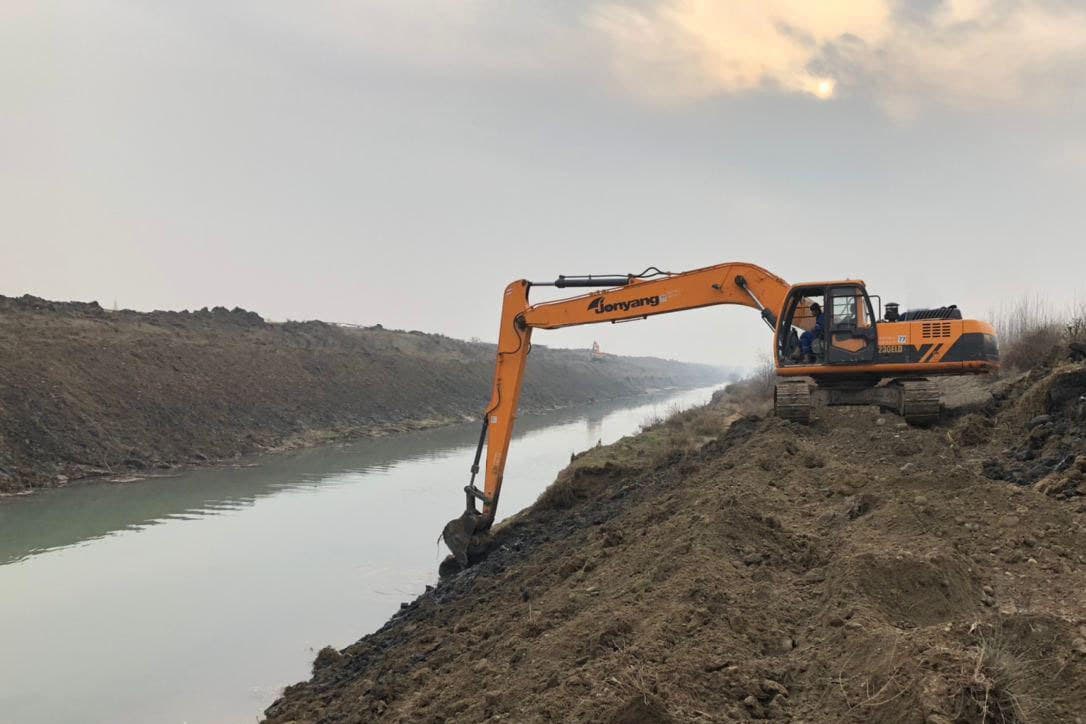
{"x": 195, "y": 598}
{"x": 68, "y": 516}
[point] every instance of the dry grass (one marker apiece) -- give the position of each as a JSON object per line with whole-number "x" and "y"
{"x": 1001, "y": 686}
{"x": 657, "y": 419}
{"x": 1076, "y": 325}
{"x": 990, "y": 696}
{"x": 662, "y": 440}
{"x": 756, "y": 389}
{"x": 1032, "y": 333}
{"x": 680, "y": 431}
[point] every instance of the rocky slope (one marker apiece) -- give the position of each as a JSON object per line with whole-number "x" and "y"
{"x": 723, "y": 568}
{"x": 85, "y": 391}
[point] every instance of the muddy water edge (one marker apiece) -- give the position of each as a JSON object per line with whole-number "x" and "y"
{"x": 196, "y": 598}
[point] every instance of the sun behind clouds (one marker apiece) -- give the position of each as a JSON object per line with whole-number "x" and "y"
{"x": 824, "y": 88}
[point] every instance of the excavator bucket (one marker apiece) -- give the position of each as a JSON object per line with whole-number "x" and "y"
{"x": 457, "y": 535}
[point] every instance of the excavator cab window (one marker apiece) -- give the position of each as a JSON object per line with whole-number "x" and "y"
{"x": 851, "y": 336}
{"x": 844, "y": 312}
{"x": 797, "y": 339}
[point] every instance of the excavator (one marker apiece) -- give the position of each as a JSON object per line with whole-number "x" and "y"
{"x": 829, "y": 348}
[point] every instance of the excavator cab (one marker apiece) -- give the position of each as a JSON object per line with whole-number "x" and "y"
{"x": 849, "y": 333}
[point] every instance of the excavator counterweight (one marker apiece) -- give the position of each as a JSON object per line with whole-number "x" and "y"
{"x": 829, "y": 348}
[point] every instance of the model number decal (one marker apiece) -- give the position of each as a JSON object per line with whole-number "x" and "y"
{"x": 889, "y": 348}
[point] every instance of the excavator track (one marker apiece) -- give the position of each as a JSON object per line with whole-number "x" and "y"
{"x": 920, "y": 402}
{"x": 792, "y": 401}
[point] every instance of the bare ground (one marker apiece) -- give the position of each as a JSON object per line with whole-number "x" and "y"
{"x": 727, "y": 567}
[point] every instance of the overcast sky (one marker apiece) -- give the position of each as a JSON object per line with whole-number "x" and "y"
{"x": 399, "y": 161}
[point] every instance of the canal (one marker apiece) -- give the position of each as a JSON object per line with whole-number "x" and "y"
{"x": 197, "y": 597}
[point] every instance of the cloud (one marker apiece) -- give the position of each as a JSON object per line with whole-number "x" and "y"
{"x": 904, "y": 54}
{"x": 966, "y": 53}
{"x": 483, "y": 37}
{"x": 694, "y": 48}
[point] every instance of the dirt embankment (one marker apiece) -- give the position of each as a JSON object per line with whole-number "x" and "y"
{"x": 851, "y": 570}
{"x": 85, "y": 391}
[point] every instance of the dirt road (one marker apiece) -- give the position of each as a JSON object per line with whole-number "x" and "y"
{"x": 853, "y": 570}
{"x": 88, "y": 392}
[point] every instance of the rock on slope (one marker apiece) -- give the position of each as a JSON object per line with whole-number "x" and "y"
{"x": 84, "y": 391}
{"x": 852, "y": 570}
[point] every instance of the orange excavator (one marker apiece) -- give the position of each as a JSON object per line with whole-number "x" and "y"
{"x": 829, "y": 348}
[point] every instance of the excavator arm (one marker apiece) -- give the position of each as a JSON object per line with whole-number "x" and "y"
{"x": 626, "y": 298}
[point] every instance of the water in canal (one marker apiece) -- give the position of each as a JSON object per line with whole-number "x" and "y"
{"x": 196, "y": 598}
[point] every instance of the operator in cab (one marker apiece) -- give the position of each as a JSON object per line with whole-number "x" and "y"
{"x": 806, "y": 340}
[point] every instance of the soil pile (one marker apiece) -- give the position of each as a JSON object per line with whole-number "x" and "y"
{"x": 1040, "y": 426}
{"x": 852, "y": 570}
{"x": 85, "y": 391}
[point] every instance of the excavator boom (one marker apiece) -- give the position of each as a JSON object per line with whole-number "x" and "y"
{"x": 734, "y": 283}
{"x": 627, "y": 298}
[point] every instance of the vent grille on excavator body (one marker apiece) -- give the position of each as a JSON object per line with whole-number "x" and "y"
{"x": 935, "y": 330}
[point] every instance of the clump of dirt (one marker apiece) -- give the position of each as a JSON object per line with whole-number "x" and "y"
{"x": 852, "y": 570}
{"x": 85, "y": 391}
{"x": 1065, "y": 481}
{"x": 641, "y": 710}
{"x": 972, "y": 430}
{"x": 1041, "y": 432}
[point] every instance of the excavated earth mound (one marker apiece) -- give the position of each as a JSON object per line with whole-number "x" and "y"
{"x": 852, "y": 570}
{"x": 89, "y": 392}
{"x": 1040, "y": 425}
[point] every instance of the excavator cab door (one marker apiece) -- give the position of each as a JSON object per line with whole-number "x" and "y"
{"x": 851, "y": 334}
